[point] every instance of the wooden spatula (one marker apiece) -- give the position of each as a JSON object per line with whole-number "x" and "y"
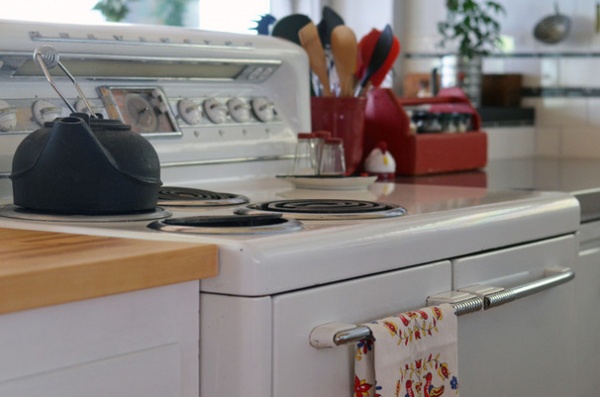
{"x": 309, "y": 39}
{"x": 344, "y": 48}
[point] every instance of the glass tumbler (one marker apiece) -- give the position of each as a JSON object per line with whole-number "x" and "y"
{"x": 305, "y": 156}
{"x": 319, "y": 138}
{"x": 332, "y": 158}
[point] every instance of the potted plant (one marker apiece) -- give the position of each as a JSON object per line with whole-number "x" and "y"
{"x": 471, "y": 30}
{"x": 167, "y": 12}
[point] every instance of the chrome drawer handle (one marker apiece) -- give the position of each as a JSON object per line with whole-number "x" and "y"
{"x": 465, "y": 300}
{"x": 554, "y": 276}
{"x": 336, "y": 334}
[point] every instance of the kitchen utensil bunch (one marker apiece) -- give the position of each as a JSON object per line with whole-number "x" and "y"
{"x": 340, "y": 64}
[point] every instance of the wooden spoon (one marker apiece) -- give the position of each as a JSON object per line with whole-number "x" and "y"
{"x": 344, "y": 48}
{"x": 309, "y": 39}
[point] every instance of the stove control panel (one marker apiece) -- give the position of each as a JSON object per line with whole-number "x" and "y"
{"x": 201, "y": 98}
{"x": 147, "y": 109}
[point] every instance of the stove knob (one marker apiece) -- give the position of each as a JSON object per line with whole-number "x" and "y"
{"x": 215, "y": 110}
{"x": 189, "y": 111}
{"x": 263, "y": 109}
{"x": 239, "y": 110}
{"x": 44, "y": 111}
{"x": 8, "y": 116}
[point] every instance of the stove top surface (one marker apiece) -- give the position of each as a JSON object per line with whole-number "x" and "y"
{"x": 439, "y": 222}
{"x": 233, "y": 129}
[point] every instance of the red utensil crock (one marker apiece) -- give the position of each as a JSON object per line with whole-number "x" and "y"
{"x": 344, "y": 117}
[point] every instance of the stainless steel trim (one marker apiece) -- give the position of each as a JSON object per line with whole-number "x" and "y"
{"x": 24, "y": 56}
{"x": 353, "y": 333}
{"x": 48, "y": 58}
{"x": 113, "y": 111}
{"x": 233, "y": 160}
{"x": 15, "y": 61}
{"x": 554, "y": 277}
{"x": 361, "y": 332}
{"x": 349, "y": 333}
{"x": 37, "y": 37}
{"x": 468, "y": 306}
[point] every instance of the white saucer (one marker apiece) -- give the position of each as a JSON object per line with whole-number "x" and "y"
{"x": 330, "y": 183}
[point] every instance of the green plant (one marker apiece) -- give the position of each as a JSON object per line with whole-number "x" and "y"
{"x": 171, "y": 12}
{"x": 473, "y": 25}
{"x": 167, "y": 12}
{"x": 113, "y": 10}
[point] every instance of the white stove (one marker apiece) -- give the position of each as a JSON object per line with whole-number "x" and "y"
{"x": 231, "y": 108}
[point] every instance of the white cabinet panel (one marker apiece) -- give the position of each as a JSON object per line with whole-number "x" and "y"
{"x": 149, "y": 373}
{"x": 587, "y": 323}
{"x": 73, "y": 349}
{"x": 300, "y": 370}
{"x": 235, "y": 346}
{"x": 524, "y": 347}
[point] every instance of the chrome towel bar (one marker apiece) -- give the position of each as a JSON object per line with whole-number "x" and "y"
{"x": 465, "y": 300}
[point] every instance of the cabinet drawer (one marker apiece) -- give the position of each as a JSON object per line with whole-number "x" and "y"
{"x": 512, "y": 349}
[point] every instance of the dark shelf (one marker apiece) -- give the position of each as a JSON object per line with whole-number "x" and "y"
{"x": 506, "y": 116}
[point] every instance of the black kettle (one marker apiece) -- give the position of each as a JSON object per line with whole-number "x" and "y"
{"x": 85, "y": 166}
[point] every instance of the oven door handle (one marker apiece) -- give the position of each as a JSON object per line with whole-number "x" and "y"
{"x": 465, "y": 300}
{"x": 553, "y": 276}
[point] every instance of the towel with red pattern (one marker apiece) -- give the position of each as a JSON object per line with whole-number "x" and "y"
{"x": 412, "y": 354}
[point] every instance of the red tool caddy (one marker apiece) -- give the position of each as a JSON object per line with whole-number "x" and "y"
{"x": 421, "y": 153}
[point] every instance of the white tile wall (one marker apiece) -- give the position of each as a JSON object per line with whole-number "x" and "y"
{"x": 548, "y": 141}
{"x": 565, "y": 126}
{"x": 510, "y": 142}
{"x": 559, "y": 111}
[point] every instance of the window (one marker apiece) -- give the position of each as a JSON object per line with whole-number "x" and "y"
{"x": 235, "y": 16}
{"x": 69, "y": 11}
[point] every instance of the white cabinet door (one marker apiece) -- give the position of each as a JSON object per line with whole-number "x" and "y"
{"x": 142, "y": 343}
{"x": 524, "y": 347}
{"x": 587, "y": 321}
{"x": 300, "y": 370}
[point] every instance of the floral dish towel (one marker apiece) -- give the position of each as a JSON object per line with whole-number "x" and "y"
{"x": 412, "y": 354}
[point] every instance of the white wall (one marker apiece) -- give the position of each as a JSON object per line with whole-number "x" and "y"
{"x": 565, "y": 126}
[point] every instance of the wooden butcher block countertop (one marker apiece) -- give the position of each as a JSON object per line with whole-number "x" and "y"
{"x": 42, "y": 268}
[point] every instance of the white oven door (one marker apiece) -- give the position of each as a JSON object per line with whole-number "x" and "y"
{"x": 300, "y": 370}
{"x": 524, "y": 347}
{"x": 259, "y": 346}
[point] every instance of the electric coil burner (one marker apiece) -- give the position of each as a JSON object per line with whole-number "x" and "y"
{"x": 216, "y": 224}
{"x": 228, "y": 224}
{"x": 325, "y": 209}
{"x": 190, "y": 197}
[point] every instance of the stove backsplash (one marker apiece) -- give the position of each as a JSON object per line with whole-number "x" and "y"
{"x": 229, "y": 105}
